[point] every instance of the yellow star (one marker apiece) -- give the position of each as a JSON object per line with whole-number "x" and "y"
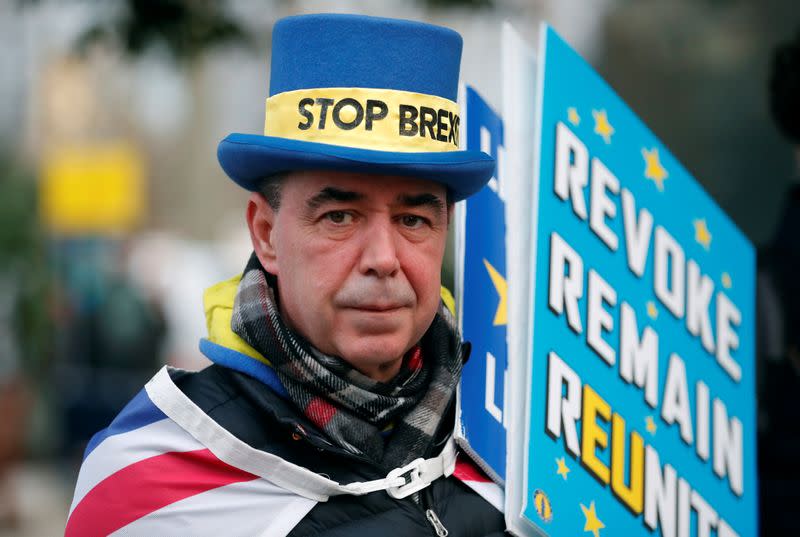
{"x": 651, "y": 425}
{"x": 701, "y": 233}
{"x": 652, "y": 310}
{"x": 653, "y": 169}
{"x": 562, "y": 468}
{"x": 572, "y": 116}
{"x": 593, "y": 523}
{"x": 602, "y": 126}
{"x": 727, "y": 283}
{"x": 501, "y": 315}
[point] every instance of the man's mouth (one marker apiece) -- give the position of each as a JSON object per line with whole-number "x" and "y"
{"x": 377, "y": 308}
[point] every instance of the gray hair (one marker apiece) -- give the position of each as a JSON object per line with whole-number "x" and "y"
{"x": 271, "y": 189}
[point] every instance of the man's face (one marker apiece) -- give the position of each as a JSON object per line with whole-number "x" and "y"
{"x": 358, "y": 262}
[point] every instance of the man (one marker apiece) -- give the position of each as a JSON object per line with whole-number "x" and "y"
{"x": 330, "y": 405}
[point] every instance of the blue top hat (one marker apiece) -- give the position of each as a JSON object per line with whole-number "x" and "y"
{"x": 360, "y": 94}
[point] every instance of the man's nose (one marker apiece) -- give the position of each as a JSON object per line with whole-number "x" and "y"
{"x": 379, "y": 254}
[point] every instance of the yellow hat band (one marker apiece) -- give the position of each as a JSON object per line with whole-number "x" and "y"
{"x": 379, "y": 119}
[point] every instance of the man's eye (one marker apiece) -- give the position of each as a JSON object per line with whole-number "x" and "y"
{"x": 412, "y": 221}
{"x": 339, "y": 217}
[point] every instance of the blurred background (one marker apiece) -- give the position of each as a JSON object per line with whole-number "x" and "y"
{"x": 114, "y": 214}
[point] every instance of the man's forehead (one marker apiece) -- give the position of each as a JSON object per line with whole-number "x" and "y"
{"x": 331, "y": 194}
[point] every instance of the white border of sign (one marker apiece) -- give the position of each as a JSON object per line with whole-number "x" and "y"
{"x": 522, "y": 90}
{"x": 460, "y": 216}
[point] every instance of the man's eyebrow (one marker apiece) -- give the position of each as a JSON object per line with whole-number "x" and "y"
{"x": 419, "y": 200}
{"x": 329, "y": 194}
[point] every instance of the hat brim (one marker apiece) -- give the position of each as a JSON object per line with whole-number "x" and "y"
{"x": 249, "y": 158}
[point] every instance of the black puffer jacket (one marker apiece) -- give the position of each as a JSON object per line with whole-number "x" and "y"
{"x": 264, "y": 420}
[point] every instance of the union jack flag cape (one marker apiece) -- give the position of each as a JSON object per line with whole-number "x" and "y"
{"x": 164, "y": 467}
{"x": 147, "y": 475}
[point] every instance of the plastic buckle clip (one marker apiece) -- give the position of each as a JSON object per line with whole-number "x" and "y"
{"x": 413, "y": 480}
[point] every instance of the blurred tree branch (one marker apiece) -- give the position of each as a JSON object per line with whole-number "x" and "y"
{"x": 22, "y": 250}
{"x": 459, "y": 3}
{"x": 187, "y": 28}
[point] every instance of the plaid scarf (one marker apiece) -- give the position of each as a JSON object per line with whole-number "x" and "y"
{"x": 351, "y": 408}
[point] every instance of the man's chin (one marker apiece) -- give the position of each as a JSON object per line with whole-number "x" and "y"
{"x": 373, "y": 352}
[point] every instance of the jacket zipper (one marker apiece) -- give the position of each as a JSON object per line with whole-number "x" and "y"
{"x": 441, "y": 531}
{"x": 424, "y": 499}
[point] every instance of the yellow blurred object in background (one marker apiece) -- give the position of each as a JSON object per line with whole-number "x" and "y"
{"x": 92, "y": 189}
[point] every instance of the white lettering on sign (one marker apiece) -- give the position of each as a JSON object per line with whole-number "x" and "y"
{"x": 598, "y": 320}
{"x": 638, "y": 358}
{"x": 707, "y": 517}
{"x": 489, "y": 397}
{"x": 675, "y": 406}
{"x": 565, "y": 288}
{"x": 678, "y": 283}
{"x": 572, "y": 169}
{"x": 727, "y": 339}
{"x": 660, "y": 494}
{"x": 579, "y": 414}
{"x": 637, "y": 232}
{"x": 563, "y": 410}
{"x": 601, "y": 207}
{"x": 669, "y": 263}
{"x": 701, "y": 401}
{"x": 576, "y": 415}
{"x": 728, "y": 457}
{"x": 698, "y": 298}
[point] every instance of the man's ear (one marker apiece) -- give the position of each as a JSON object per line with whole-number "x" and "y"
{"x": 261, "y": 221}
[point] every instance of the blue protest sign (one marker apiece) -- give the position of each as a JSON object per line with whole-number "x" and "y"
{"x": 482, "y": 294}
{"x": 641, "y": 411}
